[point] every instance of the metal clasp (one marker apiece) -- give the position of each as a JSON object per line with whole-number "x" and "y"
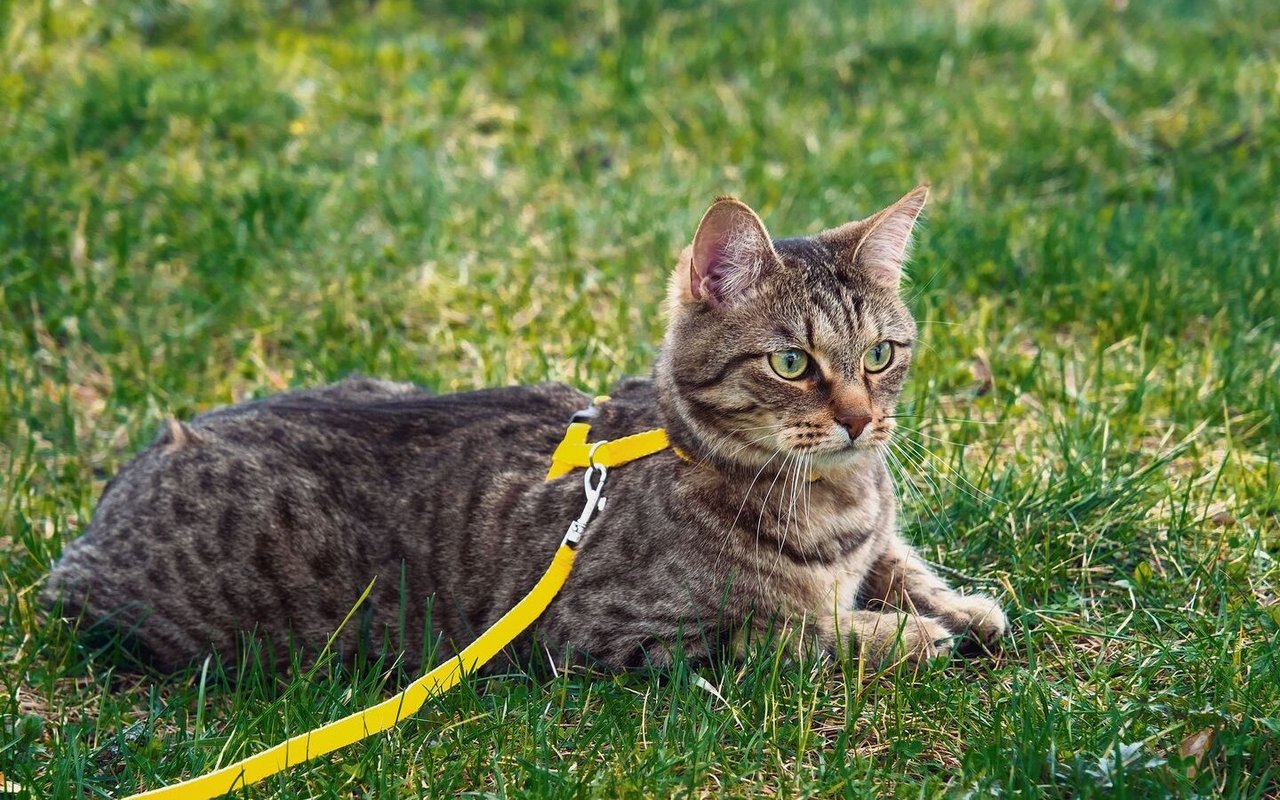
{"x": 595, "y": 498}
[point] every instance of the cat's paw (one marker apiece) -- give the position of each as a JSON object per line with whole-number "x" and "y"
{"x": 888, "y": 638}
{"x": 924, "y": 639}
{"x": 977, "y": 615}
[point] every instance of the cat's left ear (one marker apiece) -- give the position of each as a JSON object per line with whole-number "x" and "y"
{"x": 878, "y": 246}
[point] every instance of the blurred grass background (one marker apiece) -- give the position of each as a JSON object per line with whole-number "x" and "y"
{"x": 206, "y": 201}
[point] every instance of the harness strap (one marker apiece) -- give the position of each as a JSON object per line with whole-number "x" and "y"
{"x": 574, "y": 452}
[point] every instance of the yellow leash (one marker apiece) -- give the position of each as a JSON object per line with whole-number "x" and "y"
{"x": 574, "y": 452}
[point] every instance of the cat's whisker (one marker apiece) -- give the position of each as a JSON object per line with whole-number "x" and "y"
{"x": 894, "y": 462}
{"x": 733, "y": 526}
{"x": 924, "y": 345}
{"x": 968, "y": 487}
{"x": 910, "y": 458}
{"x": 808, "y": 496}
{"x": 776, "y": 426}
{"x": 906, "y": 460}
{"x": 786, "y": 525}
{"x": 918, "y": 291}
{"x": 764, "y": 508}
{"x": 791, "y": 505}
{"x": 804, "y": 485}
{"x": 715, "y": 446}
{"x": 943, "y": 419}
{"x": 919, "y": 432}
{"x": 921, "y": 467}
{"x": 960, "y": 482}
{"x": 902, "y": 459}
{"x": 797, "y": 479}
{"x": 739, "y": 449}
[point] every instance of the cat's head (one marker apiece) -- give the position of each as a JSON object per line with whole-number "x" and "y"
{"x": 790, "y": 347}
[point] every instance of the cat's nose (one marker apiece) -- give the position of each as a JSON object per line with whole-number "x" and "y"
{"x": 853, "y": 422}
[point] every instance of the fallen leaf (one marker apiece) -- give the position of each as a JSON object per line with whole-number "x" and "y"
{"x": 1194, "y": 747}
{"x": 982, "y": 374}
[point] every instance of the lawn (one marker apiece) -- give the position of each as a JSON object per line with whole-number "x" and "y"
{"x": 202, "y": 202}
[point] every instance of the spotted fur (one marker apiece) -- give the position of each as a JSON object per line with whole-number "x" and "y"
{"x": 271, "y": 518}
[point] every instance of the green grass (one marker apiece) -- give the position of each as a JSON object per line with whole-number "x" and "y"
{"x": 202, "y": 202}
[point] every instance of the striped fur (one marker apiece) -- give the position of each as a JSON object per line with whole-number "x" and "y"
{"x": 272, "y": 517}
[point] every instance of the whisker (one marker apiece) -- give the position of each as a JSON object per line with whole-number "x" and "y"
{"x": 786, "y": 527}
{"x": 777, "y": 426}
{"x": 806, "y": 486}
{"x": 918, "y": 291}
{"x": 918, "y": 432}
{"x": 949, "y": 469}
{"x": 764, "y": 508}
{"x": 715, "y": 447}
{"x": 808, "y": 495}
{"x": 733, "y": 526}
{"x": 800, "y": 481}
{"x": 894, "y": 460}
{"x": 923, "y": 470}
{"x": 943, "y": 419}
{"x": 740, "y": 448}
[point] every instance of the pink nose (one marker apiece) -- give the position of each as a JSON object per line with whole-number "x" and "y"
{"x": 853, "y": 422}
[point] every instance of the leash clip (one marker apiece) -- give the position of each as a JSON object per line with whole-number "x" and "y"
{"x": 595, "y": 498}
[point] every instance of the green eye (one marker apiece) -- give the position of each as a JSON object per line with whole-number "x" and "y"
{"x": 878, "y": 357}
{"x": 789, "y": 364}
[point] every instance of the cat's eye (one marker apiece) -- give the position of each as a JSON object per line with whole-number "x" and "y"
{"x": 789, "y": 364}
{"x": 878, "y": 357}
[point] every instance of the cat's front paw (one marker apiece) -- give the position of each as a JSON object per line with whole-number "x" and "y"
{"x": 887, "y": 638}
{"x": 977, "y": 615}
{"x": 924, "y": 639}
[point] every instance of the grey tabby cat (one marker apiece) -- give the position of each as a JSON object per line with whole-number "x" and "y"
{"x": 776, "y": 384}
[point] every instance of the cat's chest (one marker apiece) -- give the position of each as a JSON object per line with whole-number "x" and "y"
{"x": 837, "y": 584}
{"x": 848, "y": 514}
{"x": 840, "y": 537}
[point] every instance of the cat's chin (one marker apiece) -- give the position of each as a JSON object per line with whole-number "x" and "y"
{"x": 834, "y": 458}
{"x": 826, "y": 460}
{"x": 849, "y": 455}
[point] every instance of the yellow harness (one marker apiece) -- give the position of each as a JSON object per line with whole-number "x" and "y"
{"x": 574, "y": 452}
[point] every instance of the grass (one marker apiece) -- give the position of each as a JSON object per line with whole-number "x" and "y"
{"x": 202, "y": 202}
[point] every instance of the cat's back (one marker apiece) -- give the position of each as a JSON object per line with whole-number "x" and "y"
{"x": 274, "y": 515}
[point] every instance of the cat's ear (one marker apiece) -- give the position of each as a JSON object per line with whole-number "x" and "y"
{"x": 878, "y": 246}
{"x": 730, "y": 252}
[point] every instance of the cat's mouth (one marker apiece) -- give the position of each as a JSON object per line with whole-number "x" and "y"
{"x": 821, "y": 448}
{"x": 837, "y": 454}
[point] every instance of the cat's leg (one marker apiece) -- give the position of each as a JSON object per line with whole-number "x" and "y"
{"x": 901, "y": 580}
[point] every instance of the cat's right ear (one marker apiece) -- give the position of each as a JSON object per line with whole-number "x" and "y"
{"x": 730, "y": 252}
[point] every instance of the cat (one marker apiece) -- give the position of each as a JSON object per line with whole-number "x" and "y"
{"x": 776, "y": 383}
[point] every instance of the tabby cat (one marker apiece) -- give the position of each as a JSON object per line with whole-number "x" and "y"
{"x": 776, "y": 383}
